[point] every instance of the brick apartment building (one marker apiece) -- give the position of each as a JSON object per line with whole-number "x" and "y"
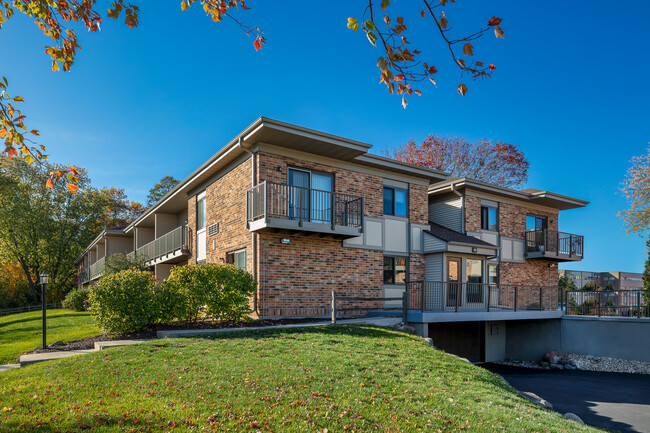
{"x": 307, "y": 212}
{"x": 618, "y": 280}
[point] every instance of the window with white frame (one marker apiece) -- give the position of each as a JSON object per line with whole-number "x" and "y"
{"x": 237, "y": 258}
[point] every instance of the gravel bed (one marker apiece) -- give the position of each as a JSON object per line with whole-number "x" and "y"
{"x": 591, "y": 363}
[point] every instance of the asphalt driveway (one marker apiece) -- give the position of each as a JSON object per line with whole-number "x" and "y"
{"x": 617, "y": 401}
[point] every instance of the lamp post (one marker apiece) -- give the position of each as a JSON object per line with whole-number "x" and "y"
{"x": 44, "y": 280}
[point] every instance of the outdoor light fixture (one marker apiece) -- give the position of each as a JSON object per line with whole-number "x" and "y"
{"x": 44, "y": 279}
{"x": 474, "y": 249}
{"x": 284, "y": 240}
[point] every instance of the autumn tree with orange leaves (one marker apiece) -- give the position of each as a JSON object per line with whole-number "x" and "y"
{"x": 485, "y": 160}
{"x": 401, "y": 68}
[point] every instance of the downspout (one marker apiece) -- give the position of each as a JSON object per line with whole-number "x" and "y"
{"x": 253, "y": 234}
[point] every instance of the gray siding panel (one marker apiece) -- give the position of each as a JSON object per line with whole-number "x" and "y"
{"x": 447, "y": 211}
{"x": 433, "y": 267}
{"x": 432, "y": 243}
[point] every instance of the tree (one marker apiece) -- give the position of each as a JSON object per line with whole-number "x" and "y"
{"x": 118, "y": 210}
{"x": 591, "y": 286}
{"x": 45, "y": 229}
{"x": 400, "y": 67}
{"x": 637, "y": 192}
{"x": 609, "y": 287}
{"x": 160, "y": 189}
{"x": 646, "y": 275}
{"x": 485, "y": 160}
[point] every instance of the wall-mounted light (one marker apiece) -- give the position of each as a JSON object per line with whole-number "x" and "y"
{"x": 284, "y": 240}
{"x": 474, "y": 249}
{"x": 280, "y": 169}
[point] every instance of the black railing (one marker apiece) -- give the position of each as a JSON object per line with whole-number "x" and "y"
{"x": 282, "y": 201}
{"x": 446, "y": 296}
{"x": 622, "y": 303}
{"x": 549, "y": 242}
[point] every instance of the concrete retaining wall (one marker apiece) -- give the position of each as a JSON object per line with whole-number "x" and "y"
{"x": 616, "y": 337}
{"x": 528, "y": 340}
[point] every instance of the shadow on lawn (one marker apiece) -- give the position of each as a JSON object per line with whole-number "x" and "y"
{"x": 37, "y": 319}
{"x": 326, "y": 330}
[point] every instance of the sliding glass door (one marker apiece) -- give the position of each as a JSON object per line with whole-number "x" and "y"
{"x": 310, "y": 196}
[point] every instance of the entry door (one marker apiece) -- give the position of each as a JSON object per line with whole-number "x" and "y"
{"x": 453, "y": 280}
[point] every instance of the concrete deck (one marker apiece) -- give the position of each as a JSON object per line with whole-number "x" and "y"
{"x": 478, "y": 316}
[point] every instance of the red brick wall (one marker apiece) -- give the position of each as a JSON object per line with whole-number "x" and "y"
{"x": 418, "y": 204}
{"x": 512, "y": 218}
{"x": 297, "y": 279}
{"x": 226, "y": 205}
{"x": 528, "y": 277}
{"x": 345, "y": 181}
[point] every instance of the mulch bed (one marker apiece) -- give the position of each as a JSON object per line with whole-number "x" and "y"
{"x": 89, "y": 343}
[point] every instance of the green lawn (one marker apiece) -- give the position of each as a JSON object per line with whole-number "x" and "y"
{"x": 339, "y": 378}
{"x": 22, "y": 332}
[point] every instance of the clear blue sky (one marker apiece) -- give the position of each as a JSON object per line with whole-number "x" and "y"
{"x": 571, "y": 88}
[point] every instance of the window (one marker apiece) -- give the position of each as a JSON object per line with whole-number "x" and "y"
{"x": 395, "y": 270}
{"x": 237, "y": 258}
{"x": 535, "y": 222}
{"x": 200, "y": 213}
{"x": 313, "y": 191}
{"x": 474, "y": 270}
{"x": 395, "y": 201}
{"x": 489, "y": 218}
{"x": 493, "y": 273}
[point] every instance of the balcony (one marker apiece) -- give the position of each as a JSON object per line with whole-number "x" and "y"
{"x": 172, "y": 247}
{"x": 549, "y": 244}
{"x": 437, "y": 301}
{"x": 84, "y": 276}
{"x": 96, "y": 270}
{"x": 271, "y": 205}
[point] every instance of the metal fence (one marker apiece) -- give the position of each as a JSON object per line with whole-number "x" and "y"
{"x": 446, "y": 296}
{"x": 550, "y": 241}
{"x": 622, "y": 303}
{"x": 29, "y": 308}
{"x": 282, "y": 201}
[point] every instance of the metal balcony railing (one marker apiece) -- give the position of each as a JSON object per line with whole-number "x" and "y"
{"x": 96, "y": 270}
{"x": 550, "y": 242}
{"x": 282, "y": 201}
{"x": 177, "y": 239}
{"x": 445, "y": 296}
{"x": 84, "y": 276}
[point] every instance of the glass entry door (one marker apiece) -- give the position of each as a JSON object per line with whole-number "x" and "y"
{"x": 310, "y": 196}
{"x": 453, "y": 281}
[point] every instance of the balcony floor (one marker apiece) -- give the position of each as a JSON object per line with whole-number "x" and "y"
{"x": 306, "y": 226}
{"x": 549, "y": 255}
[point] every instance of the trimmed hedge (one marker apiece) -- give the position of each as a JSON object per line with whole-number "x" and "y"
{"x": 215, "y": 291}
{"x": 132, "y": 300}
{"x": 124, "y": 301}
{"x": 77, "y": 299}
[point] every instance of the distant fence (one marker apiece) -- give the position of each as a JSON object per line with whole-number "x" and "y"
{"x": 622, "y": 303}
{"x": 29, "y": 308}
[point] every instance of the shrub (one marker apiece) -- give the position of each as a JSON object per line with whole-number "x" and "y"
{"x": 217, "y": 290}
{"x": 120, "y": 262}
{"x": 77, "y": 299}
{"x": 124, "y": 301}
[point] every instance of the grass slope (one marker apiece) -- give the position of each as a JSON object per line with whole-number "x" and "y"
{"x": 339, "y": 378}
{"x": 22, "y": 332}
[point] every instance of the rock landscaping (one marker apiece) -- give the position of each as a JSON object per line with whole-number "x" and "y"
{"x": 576, "y": 361}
